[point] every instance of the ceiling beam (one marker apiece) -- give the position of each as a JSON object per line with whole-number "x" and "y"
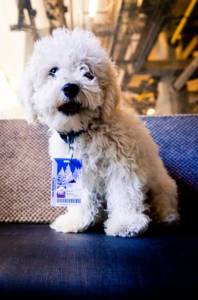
{"x": 150, "y": 34}
{"x": 141, "y": 88}
{"x": 186, "y": 74}
{"x": 128, "y": 28}
{"x": 182, "y": 23}
{"x": 162, "y": 68}
{"x": 175, "y": 64}
{"x": 190, "y": 47}
{"x": 116, "y": 30}
{"x": 159, "y": 68}
{"x": 154, "y": 24}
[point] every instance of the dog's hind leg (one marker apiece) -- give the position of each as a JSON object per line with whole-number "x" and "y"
{"x": 164, "y": 204}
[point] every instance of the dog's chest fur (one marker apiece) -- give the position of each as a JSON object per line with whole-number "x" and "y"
{"x": 92, "y": 151}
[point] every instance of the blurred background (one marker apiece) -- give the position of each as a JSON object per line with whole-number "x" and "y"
{"x": 153, "y": 42}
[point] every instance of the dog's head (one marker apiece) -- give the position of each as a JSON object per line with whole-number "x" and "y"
{"x": 69, "y": 81}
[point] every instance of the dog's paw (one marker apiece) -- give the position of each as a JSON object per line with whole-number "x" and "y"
{"x": 74, "y": 221}
{"x": 127, "y": 225}
{"x": 169, "y": 218}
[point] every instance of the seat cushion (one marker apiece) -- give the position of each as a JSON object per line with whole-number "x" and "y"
{"x": 178, "y": 144}
{"x": 35, "y": 260}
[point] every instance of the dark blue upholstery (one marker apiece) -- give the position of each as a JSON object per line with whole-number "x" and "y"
{"x": 162, "y": 264}
{"x": 177, "y": 137}
{"x": 35, "y": 260}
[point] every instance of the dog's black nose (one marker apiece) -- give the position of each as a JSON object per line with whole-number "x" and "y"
{"x": 70, "y": 90}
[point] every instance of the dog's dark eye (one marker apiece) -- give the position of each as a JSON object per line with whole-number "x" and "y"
{"x": 53, "y": 71}
{"x": 89, "y": 75}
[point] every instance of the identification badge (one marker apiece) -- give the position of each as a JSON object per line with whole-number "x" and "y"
{"x": 66, "y": 182}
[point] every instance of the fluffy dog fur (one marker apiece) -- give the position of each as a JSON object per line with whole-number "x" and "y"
{"x": 121, "y": 161}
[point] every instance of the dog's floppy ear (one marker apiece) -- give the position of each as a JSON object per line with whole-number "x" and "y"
{"x": 112, "y": 93}
{"x": 25, "y": 96}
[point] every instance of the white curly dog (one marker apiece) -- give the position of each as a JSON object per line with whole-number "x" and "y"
{"x": 70, "y": 84}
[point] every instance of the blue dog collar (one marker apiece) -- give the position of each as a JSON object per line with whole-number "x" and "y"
{"x": 70, "y": 136}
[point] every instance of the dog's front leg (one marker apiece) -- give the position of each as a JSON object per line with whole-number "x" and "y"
{"x": 77, "y": 218}
{"x": 125, "y": 203}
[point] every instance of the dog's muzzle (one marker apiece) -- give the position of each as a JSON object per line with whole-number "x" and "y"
{"x": 70, "y": 107}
